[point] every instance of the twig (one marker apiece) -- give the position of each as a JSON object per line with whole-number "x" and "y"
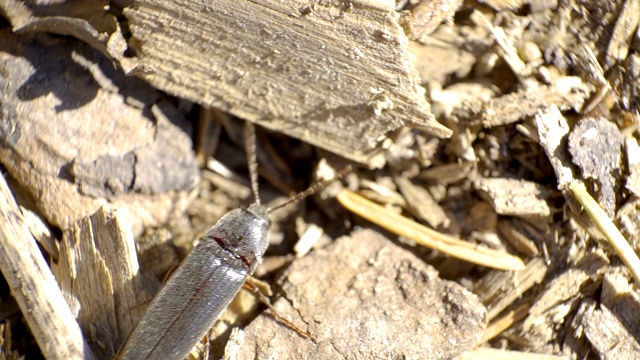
{"x": 424, "y": 236}
{"x": 608, "y": 229}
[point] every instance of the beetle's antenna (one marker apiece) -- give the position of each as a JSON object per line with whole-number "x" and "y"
{"x": 250, "y": 149}
{"x": 313, "y": 189}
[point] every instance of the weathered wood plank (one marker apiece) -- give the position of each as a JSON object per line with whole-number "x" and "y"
{"x": 335, "y": 74}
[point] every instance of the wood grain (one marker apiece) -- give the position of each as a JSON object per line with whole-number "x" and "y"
{"x": 99, "y": 275}
{"x": 335, "y": 74}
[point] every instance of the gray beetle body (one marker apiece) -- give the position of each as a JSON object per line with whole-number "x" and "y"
{"x": 201, "y": 288}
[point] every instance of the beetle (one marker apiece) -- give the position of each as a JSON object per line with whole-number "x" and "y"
{"x": 208, "y": 279}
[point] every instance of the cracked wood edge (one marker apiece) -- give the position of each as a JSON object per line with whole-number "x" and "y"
{"x": 340, "y": 79}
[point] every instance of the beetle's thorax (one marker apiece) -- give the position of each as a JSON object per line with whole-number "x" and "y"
{"x": 244, "y": 233}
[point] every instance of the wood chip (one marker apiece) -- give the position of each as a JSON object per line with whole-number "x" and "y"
{"x": 334, "y": 75}
{"x": 309, "y": 238}
{"x": 421, "y": 203}
{"x": 518, "y": 235}
{"x": 608, "y": 336}
{"x": 632, "y": 152}
{"x": 41, "y": 231}
{"x": 524, "y": 103}
{"x": 509, "y": 51}
{"x": 236, "y": 339}
{"x": 598, "y": 136}
{"x": 447, "y": 174}
{"x": 498, "y": 289}
{"x": 504, "y": 322}
{"x": 628, "y": 218}
{"x": 426, "y": 15}
{"x": 562, "y": 294}
{"x": 552, "y": 129}
{"x": 514, "y": 197}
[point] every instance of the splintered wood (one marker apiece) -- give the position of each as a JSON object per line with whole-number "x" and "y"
{"x": 99, "y": 275}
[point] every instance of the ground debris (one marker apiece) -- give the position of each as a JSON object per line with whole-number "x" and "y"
{"x": 555, "y": 305}
{"x": 421, "y": 203}
{"x": 598, "y": 136}
{"x": 34, "y": 288}
{"x": 498, "y": 290}
{"x": 519, "y": 234}
{"x": 525, "y": 103}
{"x": 609, "y": 326}
{"x": 632, "y": 155}
{"x": 551, "y": 131}
{"x": 604, "y": 331}
{"x": 514, "y": 197}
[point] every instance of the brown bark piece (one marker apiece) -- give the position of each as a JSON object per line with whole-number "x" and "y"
{"x": 71, "y": 139}
{"x": 337, "y": 75}
{"x": 499, "y": 289}
{"x": 425, "y": 16}
{"x": 35, "y": 289}
{"x": 514, "y": 197}
{"x": 364, "y": 297}
{"x": 562, "y": 294}
{"x": 524, "y": 103}
{"x": 99, "y": 276}
{"x": 598, "y": 136}
{"x": 608, "y": 336}
{"x": 421, "y": 203}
